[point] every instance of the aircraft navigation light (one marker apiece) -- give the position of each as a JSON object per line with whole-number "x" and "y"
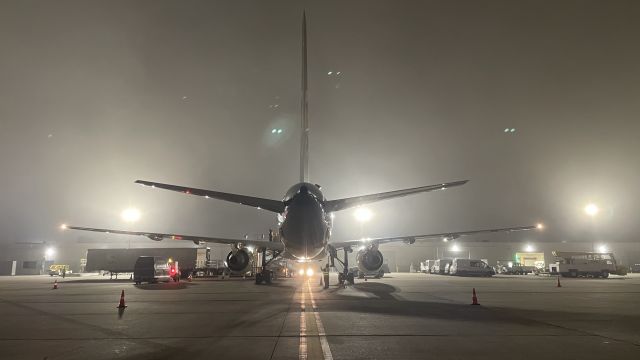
{"x": 309, "y": 272}
{"x": 63, "y": 227}
{"x": 540, "y": 226}
{"x": 130, "y": 214}
{"x": 591, "y": 209}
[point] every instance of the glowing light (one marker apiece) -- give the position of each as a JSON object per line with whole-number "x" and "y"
{"x": 130, "y": 215}
{"x": 250, "y": 249}
{"x": 591, "y": 209}
{"x": 309, "y": 272}
{"x": 540, "y": 226}
{"x": 363, "y": 214}
{"x": 330, "y": 72}
{"x": 603, "y": 248}
{"x": 455, "y": 248}
{"x": 301, "y": 272}
{"x": 529, "y": 248}
{"x": 49, "y": 253}
{"x": 63, "y": 227}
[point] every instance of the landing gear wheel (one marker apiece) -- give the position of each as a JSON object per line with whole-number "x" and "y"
{"x": 258, "y": 278}
{"x": 350, "y": 278}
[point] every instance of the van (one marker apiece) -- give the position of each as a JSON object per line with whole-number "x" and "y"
{"x": 151, "y": 269}
{"x": 440, "y": 265}
{"x": 470, "y": 267}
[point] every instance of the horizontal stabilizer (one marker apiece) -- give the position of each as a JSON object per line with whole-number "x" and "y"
{"x": 266, "y": 204}
{"x": 258, "y": 244}
{"x": 341, "y": 204}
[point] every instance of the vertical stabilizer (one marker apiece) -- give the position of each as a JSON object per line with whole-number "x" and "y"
{"x": 304, "y": 126}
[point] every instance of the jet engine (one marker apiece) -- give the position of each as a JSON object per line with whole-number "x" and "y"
{"x": 239, "y": 261}
{"x": 369, "y": 261}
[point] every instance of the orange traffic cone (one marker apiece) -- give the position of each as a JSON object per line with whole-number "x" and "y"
{"x": 55, "y": 284}
{"x": 558, "y": 282}
{"x": 121, "y": 305}
{"x": 474, "y": 298}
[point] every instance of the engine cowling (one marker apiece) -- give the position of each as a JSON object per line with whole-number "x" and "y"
{"x": 239, "y": 262}
{"x": 369, "y": 260}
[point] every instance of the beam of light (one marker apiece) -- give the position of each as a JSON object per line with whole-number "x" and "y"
{"x": 591, "y": 209}
{"x": 363, "y": 214}
{"x": 130, "y": 214}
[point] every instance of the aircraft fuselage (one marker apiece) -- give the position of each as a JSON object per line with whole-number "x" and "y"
{"x": 305, "y": 227}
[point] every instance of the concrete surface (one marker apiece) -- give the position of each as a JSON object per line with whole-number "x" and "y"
{"x": 403, "y": 316}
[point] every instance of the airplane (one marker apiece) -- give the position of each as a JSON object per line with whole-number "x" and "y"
{"x": 304, "y": 217}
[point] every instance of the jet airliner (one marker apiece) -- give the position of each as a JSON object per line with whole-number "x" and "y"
{"x": 304, "y": 217}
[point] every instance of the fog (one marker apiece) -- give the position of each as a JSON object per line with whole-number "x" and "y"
{"x": 94, "y": 95}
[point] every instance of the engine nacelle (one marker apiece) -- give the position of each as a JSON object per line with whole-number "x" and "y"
{"x": 369, "y": 261}
{"x": 240, "y": 262}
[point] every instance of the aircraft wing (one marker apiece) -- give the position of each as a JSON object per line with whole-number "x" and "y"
{"x": 261, "y": 203}
{"x": 445, "y": 237}
{"x": 258, "y": 244}
{"x": 341, "y": 204}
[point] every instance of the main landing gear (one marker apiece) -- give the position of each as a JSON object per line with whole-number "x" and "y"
{"x": 266, "y": 275}
{"x": 345, "y": 275}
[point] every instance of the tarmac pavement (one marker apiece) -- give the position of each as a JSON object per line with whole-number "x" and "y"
{"x": 402, "y": 316}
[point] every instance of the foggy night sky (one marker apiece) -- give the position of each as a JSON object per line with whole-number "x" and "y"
{"x": 97, "y": 94}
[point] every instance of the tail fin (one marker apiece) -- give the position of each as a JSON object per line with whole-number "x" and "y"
{"x": 304, "y": 126}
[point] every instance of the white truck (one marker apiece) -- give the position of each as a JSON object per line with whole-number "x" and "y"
{"x": 425, "y": 266}
{"x": 587, "y": 264}
{"x": 440, "y": 265}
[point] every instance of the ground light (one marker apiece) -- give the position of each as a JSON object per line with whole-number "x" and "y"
{"x": 591, "y": 209}
{"x": 130, "y": 214}
{"x": 363, "y": 214}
